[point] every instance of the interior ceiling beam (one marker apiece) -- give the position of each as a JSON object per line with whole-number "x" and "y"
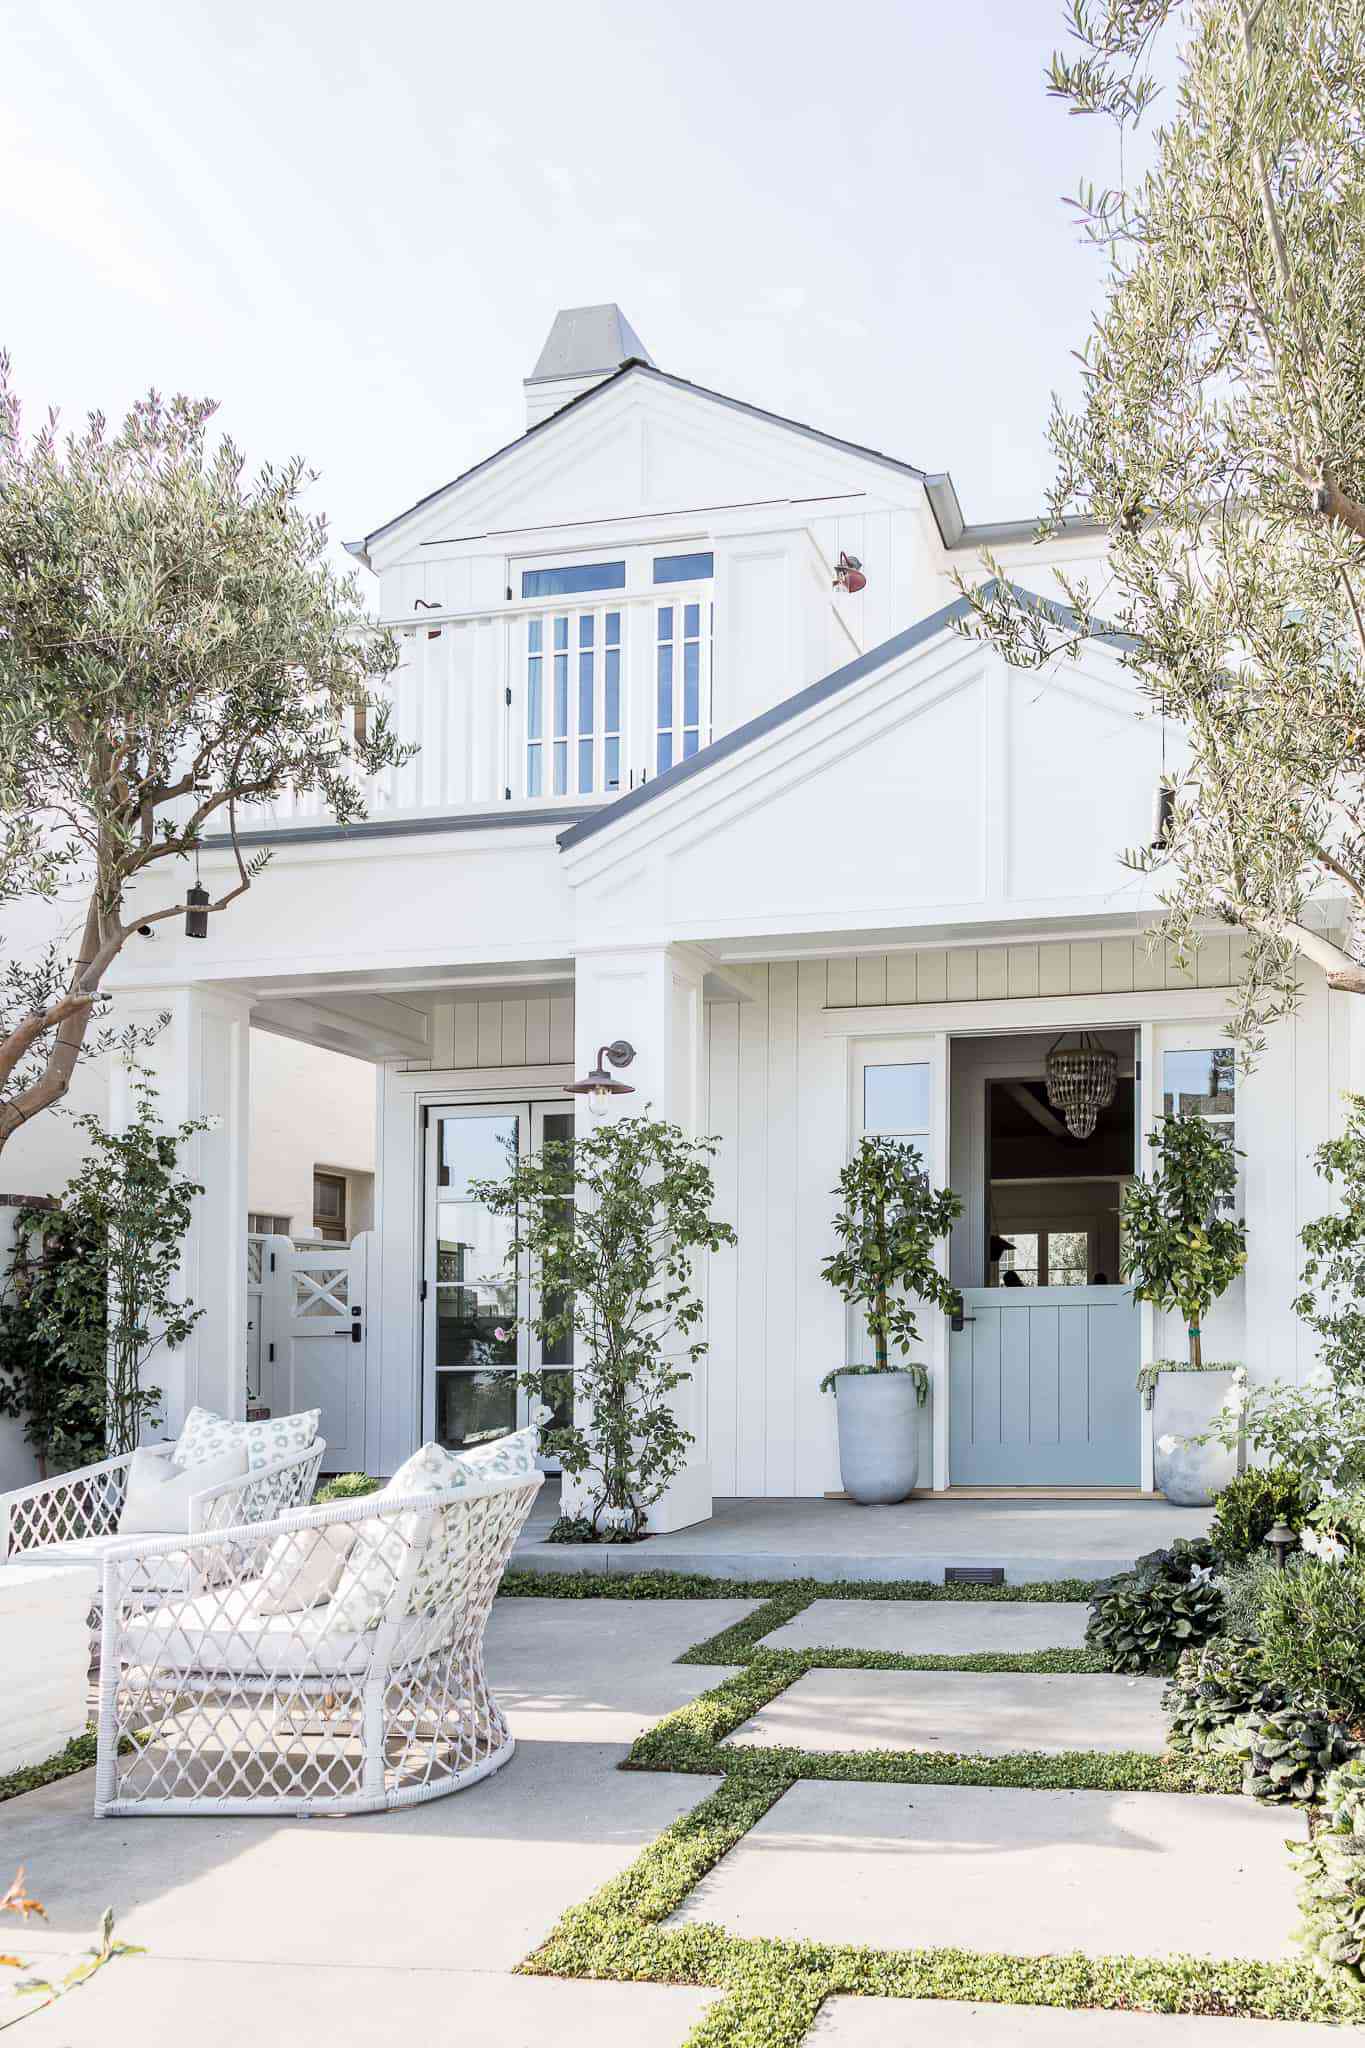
{"x": 1039, "y": 1111}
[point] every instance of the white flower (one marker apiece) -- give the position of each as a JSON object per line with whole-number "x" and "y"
{"x": 1167, "y": 1444}
{"x": 1321, "y": 1543}
{"x": 1200, "y": 1573}
{"x": 1235, "y": 1399}
{"x": 213, "y": 1123}
{"x": 1319, "y": 1376}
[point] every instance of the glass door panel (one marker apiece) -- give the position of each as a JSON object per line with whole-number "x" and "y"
{"x": 473, "y": 1289}
{"x": 554, "y": 1128}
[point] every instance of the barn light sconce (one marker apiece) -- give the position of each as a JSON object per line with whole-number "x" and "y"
{"x": 426, "y": 604}
{"x": 600, "y": 1085}
{"x": 849, "y": 575}
{"x": 197, "y": 912}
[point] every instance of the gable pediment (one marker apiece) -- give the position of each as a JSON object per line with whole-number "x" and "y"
{"x": 937, "y": 786}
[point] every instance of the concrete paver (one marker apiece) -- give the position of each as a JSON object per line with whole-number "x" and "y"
{"x": 937, "y": 2023}
{"x": 162, "y": 2004}
{"x": 934, "y": 1628}
{"x": 974, "y": 1713}
{"x": 1021, "y": 1872}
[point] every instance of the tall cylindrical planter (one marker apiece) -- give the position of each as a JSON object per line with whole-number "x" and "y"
{"x": 1184, "y": 1404}
{"x": 878, "y": 1435}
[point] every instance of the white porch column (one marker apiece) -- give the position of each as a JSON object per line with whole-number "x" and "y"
{"x": 652, "y": 995}
{"x": 200, "y": 1064}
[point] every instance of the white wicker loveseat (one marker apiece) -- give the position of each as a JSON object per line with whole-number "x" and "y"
{"x": 330, "y": 1662}
{"x": 74, "y": 1518}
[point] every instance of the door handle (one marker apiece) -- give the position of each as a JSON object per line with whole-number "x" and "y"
{"x": 960, "y": 1321}
{"x": 357, "y": 1335}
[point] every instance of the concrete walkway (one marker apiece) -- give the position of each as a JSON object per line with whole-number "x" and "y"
{"x": 915, "y": 1539}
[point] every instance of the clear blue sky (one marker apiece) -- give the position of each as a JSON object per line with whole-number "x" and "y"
{"x": 353, "y": 224}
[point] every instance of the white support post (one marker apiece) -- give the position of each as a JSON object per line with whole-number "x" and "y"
{"x": 200, "y": 1065}
{"x": 652, "y": 996}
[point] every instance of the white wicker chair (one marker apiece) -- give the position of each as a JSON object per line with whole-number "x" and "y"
{"x": 221, "y": 1703}
{"x": 73, "y": 1519}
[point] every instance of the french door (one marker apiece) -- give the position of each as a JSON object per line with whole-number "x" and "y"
{"x": 475, "y": 1294}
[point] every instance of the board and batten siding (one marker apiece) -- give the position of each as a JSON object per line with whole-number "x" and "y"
{"x": 778, "y": 1101}
{"x": 1076, "y": 967}
{"x": 506, "y": 1031}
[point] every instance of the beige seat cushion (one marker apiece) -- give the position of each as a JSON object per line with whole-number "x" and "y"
{"x": 302, "y": 1567}
{"x": 227, "y": 1632}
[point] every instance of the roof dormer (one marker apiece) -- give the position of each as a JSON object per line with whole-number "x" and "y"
{"x": 585, "y": 345}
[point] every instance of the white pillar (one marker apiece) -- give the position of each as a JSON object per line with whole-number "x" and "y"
{"x": 200, "y": 1065}
{"x": 652, "y": 996}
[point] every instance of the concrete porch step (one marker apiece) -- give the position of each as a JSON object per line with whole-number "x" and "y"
{"x": 1031, "y": 1539}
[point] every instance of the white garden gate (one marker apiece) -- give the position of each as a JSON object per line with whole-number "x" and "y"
{"x": 307, "y": 1317}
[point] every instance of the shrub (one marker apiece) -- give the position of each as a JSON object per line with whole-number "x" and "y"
{"x": 1249, "y": 1505}
{"x": 1288, "y": 1750}
{"x": 1311, "y": 1627}
{"x": 1242, "y": 1588}
{"x": 1143, "y": 1619}
{"x": 1332, "y": 1880}
{"x": 347, "y": 1486}
{"x": 1214, "y": 1688}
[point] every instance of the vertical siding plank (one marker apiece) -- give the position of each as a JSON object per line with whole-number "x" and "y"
{"x": 992, "y": 973}
{"x": 870, "y": 978}
{"x": 841, "y": 983}
{"x": 514, "y": 1032}
{"x": 490, "y": 1034}
{"x": 962, "y": 975}
{"x": 822, "y": 1147}
{"x": 900, "y": 978}
{"x": 752, "y": 1227}
{"x": 442, "y": 1034}
{"x": 723, "y": 1278}
{"x": 1211, "y": 961}
{"x": 1176, "y": 975}
{"x": 537, "y": 1031}
{"x": 1023, "y": 971}
{"x": 780, "y": 1330}
{"x": 1149, "y": 965}
{"x": 561, "y": 1029}
{"x": 931, "y": 977}
{"x": 1085, "y": 967}
{"x": 1054, "y": 970}
{"x": 465, "y": 1052}
{"x": 1116, "y": 966}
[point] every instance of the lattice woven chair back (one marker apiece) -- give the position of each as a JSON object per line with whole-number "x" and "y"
{"x": 330, "y": 1660}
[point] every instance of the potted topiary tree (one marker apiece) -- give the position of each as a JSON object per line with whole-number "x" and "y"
{"x": 1181, "y": 1253}
{"x": 889, "y": 1223}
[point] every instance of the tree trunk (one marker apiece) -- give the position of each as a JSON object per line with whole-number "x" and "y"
{"x": 1196, "y": 1352}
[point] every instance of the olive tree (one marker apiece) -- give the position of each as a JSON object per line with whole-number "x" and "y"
{"x": 175, "y": 650}
{"x": 1220, "y": 442}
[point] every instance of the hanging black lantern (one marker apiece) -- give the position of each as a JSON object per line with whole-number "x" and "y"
{"x": 197, "y": 913}
{"x": 1163, "y": 816}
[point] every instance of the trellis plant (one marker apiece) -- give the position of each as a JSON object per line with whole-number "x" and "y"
{"x": 890, "y": 1223}
{"x": 612, "y": 1225}
{"x": 1179, "y": 1251}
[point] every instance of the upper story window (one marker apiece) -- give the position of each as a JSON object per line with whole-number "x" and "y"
{"x": 573, "y": 704}
{"x": 682, "y": 681}
{"x": 572, "y": 577}
{"x": 683, "y": 568}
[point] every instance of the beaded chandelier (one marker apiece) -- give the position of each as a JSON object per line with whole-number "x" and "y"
{"x": 1081, "y": 1080}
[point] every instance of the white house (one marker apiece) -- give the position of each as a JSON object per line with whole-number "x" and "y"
{"x": 828, "y": 865}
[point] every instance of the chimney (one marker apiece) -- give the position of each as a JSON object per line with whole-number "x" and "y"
{"x": 585, "y": 345}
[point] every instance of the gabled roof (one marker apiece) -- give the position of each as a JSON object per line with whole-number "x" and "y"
{"x": 636, "y": 368}
{"x": 781, "y": 714}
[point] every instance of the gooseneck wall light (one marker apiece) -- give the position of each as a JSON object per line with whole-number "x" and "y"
{"x": 600, "y": 1085}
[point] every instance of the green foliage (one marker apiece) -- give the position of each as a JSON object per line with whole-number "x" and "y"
{"x": 79, "y": 1755}
{"x": 347, "y": 1486}
{"x": 1180, "y": 1252}
{"x": 1248, "y": 1507}
{"x": 890, "y": 1222}
{"x": 95, "y": 1311}
{"x": 1311, "y": 1628}
{"x": 613, "y": 1224}
{"x": 1242, "y": 1587}
{"x": 571, "y": 1529}
{"x": 1214, "y": 1687}
{"x": 1316, "y": 1426}
{"x": 1219, "y": 443}
{"x": 60, "y": 1406}
{"x": 1332, "y": 1882}
{"x": 175, "y": 651}
{"x": 1142, "y": 1620}
{"x": 1332, "y": 1299}
{"x": 1148, "y": 1375}
{"x": 1287, "y": 1748}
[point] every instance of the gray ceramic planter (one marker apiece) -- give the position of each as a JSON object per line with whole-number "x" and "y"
{"x": 1183, "y": 1406}
{"x": 878, "y": 1435}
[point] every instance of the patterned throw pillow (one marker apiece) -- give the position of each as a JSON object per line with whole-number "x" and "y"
{"x": 434, "y": 1469}
{"x": 304, "y": 1567}
{"x": 206, "y": 1435}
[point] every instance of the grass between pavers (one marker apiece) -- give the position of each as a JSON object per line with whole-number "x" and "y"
{"x": 774, "y": 1989}
{"x": 783, "y": 1599}
{"x": 79, "y": 1755}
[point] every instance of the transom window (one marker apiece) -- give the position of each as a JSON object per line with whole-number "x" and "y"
{"x": 1046, "y": 1258}
{"x": 1202, "y": 1082}
{"x": 572, "y": 577}
{"x": 573, "y": 722}
{"x": 683, "y": 568}
{"x": 682, "y": 707}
